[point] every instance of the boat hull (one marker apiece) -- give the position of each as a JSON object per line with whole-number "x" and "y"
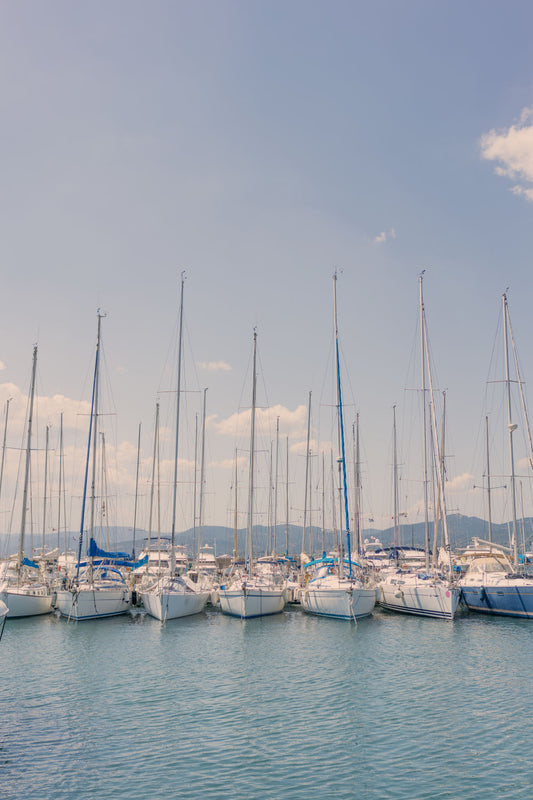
{"x": 338, "y": 602}
{"x": 513, "y": 600}
{"x": 93, "y": 603}
{"x": 27, "y": 603}
{"x": 249, "y": 603}
{"x": 422, "y": 598}
{"x": 165, "y": 605}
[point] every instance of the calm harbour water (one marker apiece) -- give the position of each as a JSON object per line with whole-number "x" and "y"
{"x": 290, "y": 707}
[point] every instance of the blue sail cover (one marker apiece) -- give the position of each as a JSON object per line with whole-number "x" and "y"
{"x": 96, "y": 552}
{"x": 119, "y": 559}
{"x": 28, "y": 563}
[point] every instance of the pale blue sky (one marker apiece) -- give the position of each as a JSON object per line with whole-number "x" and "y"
{"x": 260, "y": 145}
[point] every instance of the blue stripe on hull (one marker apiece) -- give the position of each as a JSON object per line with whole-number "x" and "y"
{"x": 250, "y": 616}
{"x": 417, "y": 611}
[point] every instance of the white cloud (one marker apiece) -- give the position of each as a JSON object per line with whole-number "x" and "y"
{"x": 291, "y": 423}
{"x": 214, "y": 366}
{"x": 384, "y": 236}
{"x": 2, "y": 365}
{"x": 512, "y": 150}
{"x": 461, "y": 483}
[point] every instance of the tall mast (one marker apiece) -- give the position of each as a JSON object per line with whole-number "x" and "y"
{"x": 489, "y": 499}
{"x": 60, "y": 489}
{"x": 424, "y": 417}
{"x": 341, "y": 432}
{"x": 96, "y": 410}
{"x": 136, "y": 490}
{"x": 92, "y": 434}
{"x": 304, "y": 535}
{"x": 175, "y": 481}
{"x": 511, "y": 428}
{"x": 235, "y": 512}
{"x": 287, "y": 501}
{"x": 4, "y": 444}
{"x": 276, "y": 487}
{"x": 154, "y": 462}
{"x": 195, "y": 549}
{"x": 395, "y": 476}
{"x": 357, "y": 487}
{"x": 28, "y": 459}
{"x": 249, "y": 537}
{"x": 202, "y": 481}
{"x": 45, "y": 484}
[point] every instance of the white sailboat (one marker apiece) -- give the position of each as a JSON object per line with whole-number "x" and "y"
{"x": 251, "y": 593}
{"x": 173, "y": 596}
{"x": 22, "y": 588}
{"x": 337, "y": 587}
{"x": 424, "y": 592}
{"x": 98, "y": 588}
{"x": 494, "y": 583}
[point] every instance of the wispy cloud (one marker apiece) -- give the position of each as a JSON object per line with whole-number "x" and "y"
{"x": 384, "y": 236}
{"x": 2, "y": 365}
{"x": 512, "y": 150}
{"x": 292, "y": 423}
{"x": 214, "y": 366}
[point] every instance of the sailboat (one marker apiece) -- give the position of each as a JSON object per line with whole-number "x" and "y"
{"x": 22, "y": 588}
{"x": 252, "y": 593}
{"x": 424, "y": 592}
{"x": 172, "y": 596}
{"x": 98, "y": 588}
{"x": 493, "y": 583}
{"x": 336, "y": 588}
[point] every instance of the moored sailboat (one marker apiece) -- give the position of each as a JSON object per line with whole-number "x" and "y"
{"x": 251, "y": 593}
{"x": 493, "y": 583}
{"x": 98, "y": 588}
{"x": 22, "y": 588}
{"x": 337, "y": 587}
{"x": 424, "y": 592}
{"x": 173, "y": 596}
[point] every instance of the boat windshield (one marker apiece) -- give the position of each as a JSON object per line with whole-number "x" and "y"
{"x": 489, "y": 564}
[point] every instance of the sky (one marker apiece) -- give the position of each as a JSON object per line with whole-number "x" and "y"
{"x": 260, "y": 147}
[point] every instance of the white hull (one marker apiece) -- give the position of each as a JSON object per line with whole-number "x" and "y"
{"x": 410, "y": 594}
{"x": 338, "y": 598}
{"x": 27, "y": 601}
{"x": 88, "y": 602}
{"x": 167, "y": 604}
{"x": 247, "y": 602}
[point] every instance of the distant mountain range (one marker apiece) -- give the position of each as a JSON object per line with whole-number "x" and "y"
{"x": 461, "y": 530}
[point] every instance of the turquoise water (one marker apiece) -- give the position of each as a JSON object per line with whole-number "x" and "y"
{"x": 291, "y": 707}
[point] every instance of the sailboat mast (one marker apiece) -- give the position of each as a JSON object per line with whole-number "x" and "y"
{"x": 395, "y": 476}
{"x": 195, "y": 549}
{"x": 4, "y": 445}
{"x": 178, "y": 397}
{"x": 304, "y": 535}
{"x": 424, "y": 418}
{"x": 276, "y": 487}
{"x": 489, "y": 499}
{"x": 95, "y": 428}
{"x": 28, "y": 459}
{"x": 154, "y": 462}
{"x": 341, "y": 430}
{"x": 89, "y": 440}
{"x": 60, "y": 489}
{"x": 235, "y": 512}
{"x": 287, "y": 499}
{"x": 511, "y": 428}
{"x": 202, "y": 481}
{"x": 136, "y": 490}
{"x": 45, "y": 484}
{"x": 252, "y": 463}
